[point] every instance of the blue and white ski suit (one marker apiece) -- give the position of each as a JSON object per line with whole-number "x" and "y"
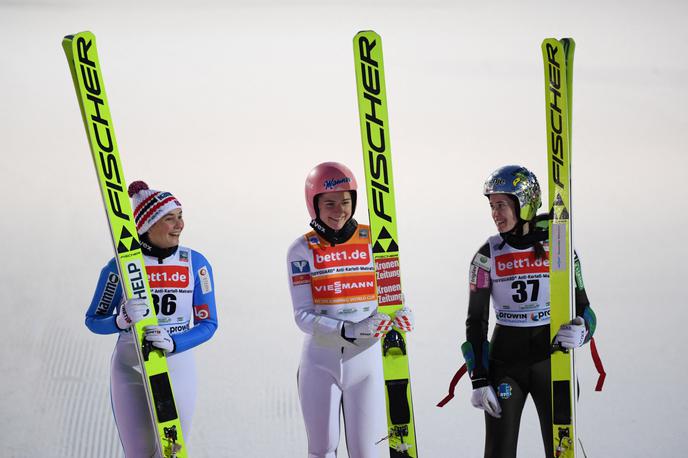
{"x": 182, "y": 290}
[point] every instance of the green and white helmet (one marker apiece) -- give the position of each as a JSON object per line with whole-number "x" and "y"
{"x": 519, "y": 182}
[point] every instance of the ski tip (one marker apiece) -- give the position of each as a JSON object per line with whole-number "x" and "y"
{"x": 366, "y": 33}
{"x": 565, "y": 40}
{"x": 72, "y": 36}
{"x": 68, "y": 40}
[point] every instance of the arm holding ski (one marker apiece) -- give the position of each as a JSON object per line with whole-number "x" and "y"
{"x": 106, "y": 298}
{"x": 373, "y": 327}
{"x": 583, "y": 308}
{"x": 475, "y": 349}
{"x": 204, "y": 310}
{"x": 325, "y": 329}
{"x": 580, "y": 330}
{"x": 403, "y": 319}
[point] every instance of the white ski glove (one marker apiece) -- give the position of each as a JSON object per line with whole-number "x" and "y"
{"x": 485, "y": 398}
{"x": 158, "y": 336}
{"x": 572, "y": 335}
{"x": 131, "y": 312}
{"x": 373, "y": 327}
{"x": 403, "y": 319}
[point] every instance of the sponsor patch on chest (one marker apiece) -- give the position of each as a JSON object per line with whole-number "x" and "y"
{"x": 520, "y": 263}
{"x": 348, "y": 288}
{"x": 341, "y": 255}
{"x": 167, "y": 276}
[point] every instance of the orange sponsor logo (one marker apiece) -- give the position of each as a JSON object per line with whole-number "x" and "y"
{"x": 347, "y": 288}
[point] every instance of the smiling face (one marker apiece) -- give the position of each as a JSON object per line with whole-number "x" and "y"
{"x": 335, "y": 208}
{"x": 165, "y": 232}
{"x": 503, "y": 212}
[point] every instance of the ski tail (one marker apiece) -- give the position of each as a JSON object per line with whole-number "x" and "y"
{"x": 377, "y": 158}
{"x": 87, "y": 77}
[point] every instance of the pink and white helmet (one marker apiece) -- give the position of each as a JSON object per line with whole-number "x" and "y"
{"x": 327, "y": 177}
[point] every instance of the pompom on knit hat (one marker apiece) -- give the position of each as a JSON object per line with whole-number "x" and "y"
{"x": 150, "y": 205}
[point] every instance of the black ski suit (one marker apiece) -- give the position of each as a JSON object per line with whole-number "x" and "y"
{"x": 518, "y": 363}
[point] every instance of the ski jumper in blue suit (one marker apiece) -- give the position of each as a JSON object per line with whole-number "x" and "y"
{"x": 182, "y": 289}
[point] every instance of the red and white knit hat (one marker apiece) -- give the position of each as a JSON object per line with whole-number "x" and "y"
{"x": 150, "y": 205}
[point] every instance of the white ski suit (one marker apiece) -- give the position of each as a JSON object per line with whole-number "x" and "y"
{"x": 331, "y": 285}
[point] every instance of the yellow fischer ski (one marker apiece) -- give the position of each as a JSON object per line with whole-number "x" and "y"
{"x": 377, "y": 157}
{"x": 90, "y": 91}
{"x": 558, "y": 60}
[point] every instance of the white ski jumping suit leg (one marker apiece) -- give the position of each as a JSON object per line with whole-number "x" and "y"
{"x": 128, "y": 398}
{"x": 334, "y": 378}
{"x": 333, "y": 286}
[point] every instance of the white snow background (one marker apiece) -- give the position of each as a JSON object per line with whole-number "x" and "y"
{"x": 229, "y": 105}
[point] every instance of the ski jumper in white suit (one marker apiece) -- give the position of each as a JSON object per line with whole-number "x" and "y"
{"x": 181, "y": 283}
{"x": 331, "y": 284}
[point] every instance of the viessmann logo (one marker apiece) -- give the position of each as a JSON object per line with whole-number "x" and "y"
{"x": 342, "y": 255}
{"x": 520, "y": 263}
{"x": 351, "y": 285}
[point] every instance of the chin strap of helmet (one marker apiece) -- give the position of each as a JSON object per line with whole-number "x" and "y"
{"x": 151, "y": 250}
{"x": 332, "y": 236}
{"x": 518, "y": 240}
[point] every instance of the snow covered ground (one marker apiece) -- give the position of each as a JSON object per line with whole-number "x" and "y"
{"x": 229, "y": 105}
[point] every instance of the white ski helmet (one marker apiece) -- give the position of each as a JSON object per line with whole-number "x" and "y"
{"x": 517, "y": 181}
{"x": 329, "y": 177}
